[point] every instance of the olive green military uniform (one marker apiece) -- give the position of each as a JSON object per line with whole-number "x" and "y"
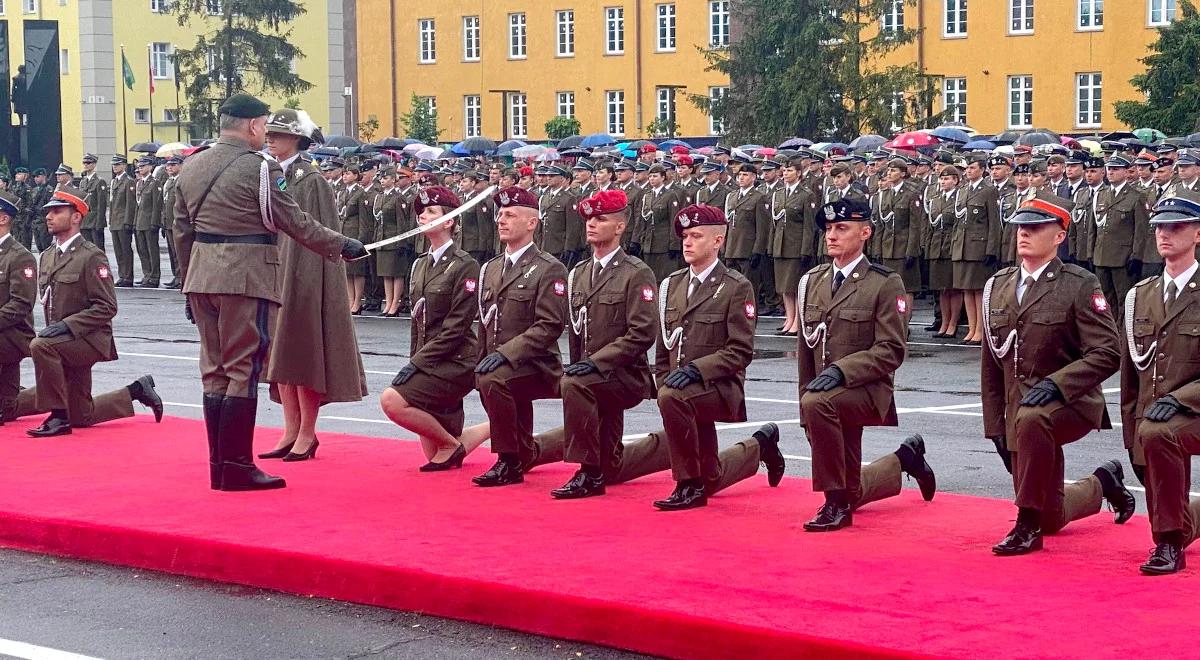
{"x": 1121, "y": 221}
{"x": 977, "y": 235}
{"x": 95, "y": 190}
{"x": 18, "y": 291}
{"x": 147, "y": 225}
{"x": 661, "y": 248}
{"x": 122, "y": 203}
{"x": 560, "y": 232}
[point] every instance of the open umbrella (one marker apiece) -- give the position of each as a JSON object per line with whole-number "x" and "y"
{"x": 865, "y": 143}
{"x": 478, "y": 145}
{"x": 548, "y": 156}
{"x": 765, "y": 152}
{"x": 951, "y": 134}
{"x": 429, "y": 153}
{"x": 795, "y": 143}
{"x": 325, "y": 152}
{"x": 667, "y": 144}
{"x": 1118, "y": 135}
{"x": 413, "y": 148}
{"x": 574, "y": 152}
{"x": 1033, "y": 139}
{"x": 1007, "y": 137}
{"x": 570, "y": 141}
{"x": 389, "y": 143}
{"x": 1091, "y": 146}
{"x": 170, "y": 149}
{"x": 1150, "y": 134}
{"x": 507, "y": 148}
{"x": 597, "y": 140}
{"x": 749, "y": 147}
{"x": 638, "y": 144}
{"x": 145, "y": 147}
{"x": 960, "y": 126}
{"x": 459, "y": 149}
{"x": 341, "y": 141}
{"x": 530, "y": 151}
{"x": 1070, "y": 143}
{"x": 979, "y": 145}
{"x": 912, "y": 140}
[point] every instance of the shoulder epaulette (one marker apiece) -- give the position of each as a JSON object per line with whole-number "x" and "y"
{"x": 1005, "y": 271}
{"x": 819, "y": 268}
{"x": 681, "y": 271}
{"x": 880, "y": 268}
{"x": 735, "y": 276}
{"x": 1148, "y": 280}
{"x": 1076, "y": 270}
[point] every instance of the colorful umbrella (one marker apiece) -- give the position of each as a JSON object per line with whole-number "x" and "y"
{"x": 170, "y": 149}
{"x": 912, "y": 140}
{"x": 531, "y": 151}
{"x": 597, "y": 140}
{"x": 1150, "y": 134}
{"x": 951, "y": 134}
{"x": 979, "y": 145}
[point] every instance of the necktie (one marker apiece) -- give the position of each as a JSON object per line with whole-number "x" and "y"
{"x": 504, "y": 268}
{"x": 838, "y": 278}
{"x": 692, "y": 286}
{"x": 1172, "y": 293}
{"x": 1024, "y": 290}
{"x": 597, "y": 267}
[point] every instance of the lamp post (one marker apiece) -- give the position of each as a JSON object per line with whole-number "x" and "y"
{"x": 503, "y": 110}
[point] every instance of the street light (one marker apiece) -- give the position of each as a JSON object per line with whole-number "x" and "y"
{"x": 671, "y": 106}
{"x": 503, "y": 109}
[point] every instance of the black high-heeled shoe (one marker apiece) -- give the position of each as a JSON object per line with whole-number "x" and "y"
{"x": 452, "y": 463}
{"x": 311, "y": 453}
{"x": 279, "y": 453}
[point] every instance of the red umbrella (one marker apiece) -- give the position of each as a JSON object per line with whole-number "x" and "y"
{"x": 912, "y": 139}
{"x": 766, "y": 152}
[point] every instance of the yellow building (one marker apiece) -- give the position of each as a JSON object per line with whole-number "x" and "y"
{"x": 613, "y": 64}
{"x": 90, "y": 37}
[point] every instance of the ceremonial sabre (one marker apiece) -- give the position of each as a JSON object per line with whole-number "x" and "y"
{"x": 421, "y": 229}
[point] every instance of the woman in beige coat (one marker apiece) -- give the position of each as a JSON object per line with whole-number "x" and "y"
{"x": 314, "y": 355}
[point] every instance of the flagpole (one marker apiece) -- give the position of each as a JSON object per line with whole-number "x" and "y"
{"x": 124, "y": 112}
{"x": 150, "y": 75}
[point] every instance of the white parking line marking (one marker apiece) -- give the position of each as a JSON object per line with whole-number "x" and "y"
{"x": 27, "y": 651}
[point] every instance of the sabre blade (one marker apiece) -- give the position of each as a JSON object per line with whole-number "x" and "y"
{"x": 421, "y": 229}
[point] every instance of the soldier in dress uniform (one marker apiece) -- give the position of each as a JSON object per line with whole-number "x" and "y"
{"x": 898, "y": 216}
{"x": 1120, "y": 216}
{"x": 975, "y": 244}
{"x": 1160, "y": 385}
{"x": 1051, "y": 342}
{"x": 1085, "y": 236}
{"x": 167, "y": 216}
{"x": 712, "y": 191}
{"x": 1001, "y": 178}
{"x": 18, "y": 292}
{"x": 523, "y": 310}
{"x": 852, "y": 341}
{"x": 793, "y": 214}
{"x": 655, "y": 241}
{"x": 1187, "y": 165}
{"x": 559, "y": 231}
{"x": 43, "y": 190}
{"x": 479, "y": 227}
{"x": 147, "y": 221}
{"x": 95, "y": 195}
{"x": 372, "y": 286}
{"x": 938, "y": 246}
{"x": 1164, "y": 184}
{"x": 748, "y": 213}
{"x": 122, "y": 203}
{"x": 394, "y": 262}
{"x": 229, "y": 204}
{"x": 350, "y": 207}
{"x": 582, "y": 185}
{"x": 623, "y": 171}
{"x": 22, "y": 188}
{"x": 79, "y": 303}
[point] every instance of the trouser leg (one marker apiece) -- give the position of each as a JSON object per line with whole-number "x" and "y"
{"x": 737, "y": 462}
{"x": 593, "y": 414}
{"x": 1038, "y": 467}
{"x": 879, "y": 480}
{"x": 508, "y": 397}
{"x": 639, "y": 458}
{"x": 834, "y": 421}
{"x": 1169, "y": 447}
{"x": 688, "y": 417}
{"x": 10, "y": 388}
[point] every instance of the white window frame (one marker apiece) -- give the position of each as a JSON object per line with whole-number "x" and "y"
{"x": 1021, "y": 85}
{"x": 954, "y": 98}
{"x": 614, "y": 111}
{"x": 614, "y": 30}
{"x": 472, "y": 41}
{"x": 718, "y": 23}
{"x": 1093, "y": 12}
{"x": 472, "y": 116}
{"x": 896, "y": 106}
{"x": 29, "y": 6}
{"x": 892, "y": 20}
{"x": 426, "y": 41}
{"x": 665, "y": 36}
{"x": 565, "y": 104}
{"x": 663, "y": 103}
{"x": 518, "y": 44}
{"x": 1160, "y": 13}
{"x": 954, "y": 19}
{"x": 1089, "y": 99}
{"x": 1020, "y": 17}
{"x": 170, "y": 115}
{"x": 518, "y": 116}
{"x": 141, "y": 115}
{"x": 64, "y": 62}
{"x": 564, "y": 31}
{"x": 160, "y": 6}
{"x": 3, "y": 8}
{"x": 160, "y": 60}
{"x": 715, "y": 94}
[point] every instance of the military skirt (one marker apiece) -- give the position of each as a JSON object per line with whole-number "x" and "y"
{"x": 970, "y": 275}
{"x": 910, "y": 274}
{"x": 441, "y": 397}
{"x": 941, "y": 274}
{"x": 787, "y": 275}
{"x": 394, "y": 263}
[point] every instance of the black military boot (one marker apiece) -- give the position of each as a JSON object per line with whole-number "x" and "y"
{"x": 142, "y": 390}
{"x": 912, "y": 461}
{"x": 1112, "y": 481}
{"x": 236, "y": 445}
{"x": 212, "y": 423}
{"x": 769, "y": 454}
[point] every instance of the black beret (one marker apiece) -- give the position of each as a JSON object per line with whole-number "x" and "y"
{"x": 245, "y": 106}
{"x": 843, "y": 210}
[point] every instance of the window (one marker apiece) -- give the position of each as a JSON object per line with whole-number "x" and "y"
{"x": 170, "y": 115}
{"x": 64, "y": 62}
{"x": 29, "y": 6}
{"x": 427, "y": 38}
{"x": 666, "y": 103}
{"x": 718, "y": 24}
{"x": 213, "y": 7}
{"x": 897, "y": 111}
{"x": 160, "y": 60}
{"x": 616, "y": 112}
{"x": 518, "y": 115}
{"x": 1162, "y": 12}
{"x": 430, "y": 102}
{"x": 141, "y": 115}
{"x": 472, "y": 116}
{"x": 715, "y": 96}
{"x": 212, "y": 59}
{"x": 471, "y": 38}
{"x": 160, "y": 6}
{"x": 956, "y": 18}
{"x": 893, "y": 18}
{"x": 516, "y": 36}
{"x": 614, "y": 30}
{"x": 1088, "y": 100}
{"x": 666, "y": 26}
{"x": 3, "y": 8}
{"x": 565, "y": 20}
{"x": 1020, "y": 101}
{"x": 1020, "y": 17}
{"x": 566, "y": 104}
{"x": 1091, "y": 15}
{"x": 954, "y": 94}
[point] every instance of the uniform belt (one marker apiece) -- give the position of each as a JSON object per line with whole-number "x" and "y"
{"x": 251, "y": 239}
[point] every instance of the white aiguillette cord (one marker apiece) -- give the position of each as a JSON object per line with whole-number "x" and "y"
{"x": 820, "y": 331}
{"x": 1002, "y": 350}
{"x": 421, "y": 229}
{"x": 1141, "y": 361}
{"x": 675, "y": 337}
{"x": 578, "y": 322}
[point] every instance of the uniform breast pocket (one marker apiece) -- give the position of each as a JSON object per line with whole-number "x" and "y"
{"x": 519, "y": 305}
{"x": 1189, "y": 338}
{"x": 437, "y": 299}
{"x": 855, "y": 324}
{"x": 1050, "y": 317}
{"x": 609, "y": 307}
{"x": 709, "y": 330}
{"x": 998, "y": 322}
{"x": 813, "y": 316}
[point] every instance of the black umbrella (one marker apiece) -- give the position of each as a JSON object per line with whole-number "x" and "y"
{"x": 478, "y": 145}
{"x": 326, "y": 151}
{"x": 341, "y": 141}
{"x": 1119, "y": 135}
{"x": 638, "y": 144}
{"x": 390, "y": 143}
{"x": 146, "y": 147}
{"x": 795, "y": 143}
{"x": 574, "y": 152}
{"x": 1193, "y": 139}
{"x": 570, "y": 141}
{"x": 1007, "y": 137}
{"x": 1035, "y": 139}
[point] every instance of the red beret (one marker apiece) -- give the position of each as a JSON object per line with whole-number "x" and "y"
{"x": 697, "y": 215}
{"x": 436, "y": 196}
{"x": 647, "y": 149}
{"x": 679, "y": 149}
{"x": 526, "y": 171}
{"x": 515, "y": 196}
{"x": 603, "y": 202}
{"x": 427, "y": 179}
{"x": 685, "y": 160}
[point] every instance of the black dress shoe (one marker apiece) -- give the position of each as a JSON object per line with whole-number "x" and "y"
{"x": 769, "y": 454}
{"x": 502, "y": 473}
{"x": 123, "y": 284}
{"x": 143, "y": 392}
{"x": 452, "y": 463}
{"x": 686, "y": 496}
{"x": 152, "y": 284}
{"x": 1165, "y": 558}
{"x": 293, "y": 457}
{"x": 278, "y": 453}
{"x": 915, "y": 465}
{"x": 356, "y": 312}
{"x": 174, "y": 283}
{"x": 830, "y": 518}
{"x": 50, "y": 428}
{"x": 1022, "y": 540}
{"x": 580, "y": 486}
{"x": 1119, "y": 498}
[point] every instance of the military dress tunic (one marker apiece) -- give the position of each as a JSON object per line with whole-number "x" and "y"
{"x": 793, "y": 216}
{"x": 977, "y": 235}
{"x": 18, "y": 292}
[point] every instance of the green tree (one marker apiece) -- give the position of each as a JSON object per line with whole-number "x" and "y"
{"x": 1171, "y": 81}
{"x": 367, "y": 128}
{"x": 240, "y": 45}
{"x": 815, "y": 68}
{"x": 662, "y": 127}
{"x": 420, "y": 122}
{"x": 562, "y": 127}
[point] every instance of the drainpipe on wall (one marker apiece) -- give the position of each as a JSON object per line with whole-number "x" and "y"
{"x": 395, "y": 92}
{"x": 637, "y": 54}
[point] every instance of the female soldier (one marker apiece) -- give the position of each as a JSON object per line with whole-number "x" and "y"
{"x": 393, "y": 262}
{"x": 937, "y": 250}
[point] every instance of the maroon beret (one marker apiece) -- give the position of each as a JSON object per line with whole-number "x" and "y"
{"x": 602, "y": 202}
{"x": 427, "y": 179}
{"x": 436, "y": 196}
{"x": 647, "y": 149}
{"x": 515, "y": 196}
{"x": 697, "y": 215}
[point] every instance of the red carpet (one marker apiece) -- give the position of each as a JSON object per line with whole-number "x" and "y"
{"x": 739, "y": 578}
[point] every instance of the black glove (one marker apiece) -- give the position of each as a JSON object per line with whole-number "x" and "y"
{"x": 352, "y": 249}
{"x": 56, "y": 329}
{"x": 635, "y": 249}
{"x": 187, "y": 312}
{"x": 581, "y": 368}
{"x": 1134, "y": 268}
{"x": 491, "y": 363}
{"x": 909, "y": 262}
{"x": 990, "y": 261}
{"x": 674, "y": 254}
{"x": 404, "y": 374}
{"x": 1002, "y": 450}
{"x": 682, "y": 377}
{"x": 827, "y": 380}
{"x": 1042, "y": 393}
{"x": 1163, "y": 409}
{"x": 755, "y": 260}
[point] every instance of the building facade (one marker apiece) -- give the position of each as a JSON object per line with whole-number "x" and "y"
{"x": 502, "y": 68}
{"x": 87, "y": 37}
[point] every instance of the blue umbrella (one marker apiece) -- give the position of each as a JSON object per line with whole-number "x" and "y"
{"x": 952, "y": 134}
{"x": 506, "y": 148}
{"x": 667, "y": 144}
{"x": 795, "y": 143}
{"x": 750, "y": 147}
{"x": 979, "y": 145}
{"x": 460, "y": 150}
{"x": 597, "y": 140}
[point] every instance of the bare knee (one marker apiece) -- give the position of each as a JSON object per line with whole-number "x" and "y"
{"x": 392, "y": 401}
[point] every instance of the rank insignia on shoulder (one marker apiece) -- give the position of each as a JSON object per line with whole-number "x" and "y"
{"x": 1099, "y": 302}
{"x": 281, "y": 183}
{"x": 560, "y": 288}
{"x": 749, "y": 310}
{"x": 648, "y": 293}
{"x": 470, "y": 284}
